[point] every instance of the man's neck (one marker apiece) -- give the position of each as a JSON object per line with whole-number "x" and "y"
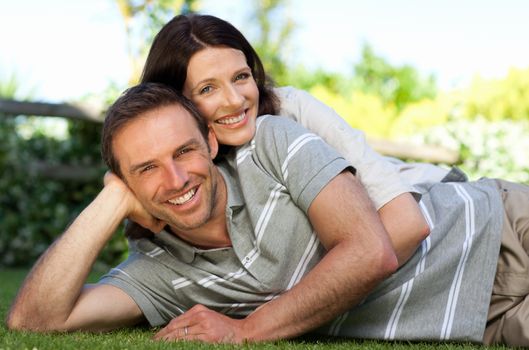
{"x": 210, "y": 236}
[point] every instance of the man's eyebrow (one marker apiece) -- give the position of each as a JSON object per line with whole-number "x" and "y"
{"x": 135, "y": 167}
{"x": 193, "y": 142}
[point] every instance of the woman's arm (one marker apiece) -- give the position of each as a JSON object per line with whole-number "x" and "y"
{"x": 378, "y": 176}
{"x": 391, "y": 196}
{"x": 405, "y": 225}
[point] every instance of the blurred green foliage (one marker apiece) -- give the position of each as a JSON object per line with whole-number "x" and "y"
{"x": 34, "y": 209}
{"x": 498, "y": 99}
{"x": 142, "y": 19}
{"x": 396, "y": 85}
{"x": 488, "y": 123}
{"x": 273, "y": 32}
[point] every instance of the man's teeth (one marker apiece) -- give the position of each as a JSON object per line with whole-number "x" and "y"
{"x": 182, "y": 199}
{"x": 231, "y": 120}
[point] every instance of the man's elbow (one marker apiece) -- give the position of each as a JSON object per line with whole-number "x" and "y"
{"x": 12, "y": 323}
{"x": 15, "y": 322}
{"x": 18, "y": 322}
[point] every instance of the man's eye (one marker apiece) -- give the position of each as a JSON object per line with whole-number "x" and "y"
{"x": 147, "y": 168}
{"x": 184, "y": 151}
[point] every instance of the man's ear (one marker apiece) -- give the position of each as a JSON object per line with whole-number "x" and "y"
{"x": 213, "y": 143}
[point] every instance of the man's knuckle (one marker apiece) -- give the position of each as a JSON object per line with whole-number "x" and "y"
{"x": 199, "y": 307}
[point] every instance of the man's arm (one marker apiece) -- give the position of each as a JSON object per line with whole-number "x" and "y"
{"x": 53, "y": 297}
{"x": 360, "y": 255}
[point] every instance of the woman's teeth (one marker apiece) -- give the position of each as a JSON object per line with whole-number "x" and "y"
{"x": 183, "y": 199}
{"x": 231, "y": 120}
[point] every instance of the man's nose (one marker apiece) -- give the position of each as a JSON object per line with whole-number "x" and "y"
{"x": 175, "y": 177}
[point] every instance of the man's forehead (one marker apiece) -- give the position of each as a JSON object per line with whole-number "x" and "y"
{"x": 169, "y": 118}
{"x": 157, "y": 129}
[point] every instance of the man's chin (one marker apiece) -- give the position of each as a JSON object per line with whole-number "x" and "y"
{"x": 185, "y": 226}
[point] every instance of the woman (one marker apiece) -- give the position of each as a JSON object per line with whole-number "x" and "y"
{"x": 213, "y": 65}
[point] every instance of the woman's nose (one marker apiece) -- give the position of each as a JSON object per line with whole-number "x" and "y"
{"x": 233, "y": 97}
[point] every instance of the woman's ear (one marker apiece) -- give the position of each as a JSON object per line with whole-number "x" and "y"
{"x": 213, "y": 143}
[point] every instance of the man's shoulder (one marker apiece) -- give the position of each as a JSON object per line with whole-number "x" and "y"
{"x": 278, "y": 139}
{"x": 271, "y": 120}
{"x": 277, "y": 127}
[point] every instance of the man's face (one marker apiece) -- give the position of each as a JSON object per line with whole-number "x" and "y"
{"x": 167, "y": 164}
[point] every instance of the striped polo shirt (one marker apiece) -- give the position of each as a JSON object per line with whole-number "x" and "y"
{"x": 271, "y": 182}
{"x": 442, "y": 293}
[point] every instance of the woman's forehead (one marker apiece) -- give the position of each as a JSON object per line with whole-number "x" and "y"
{"x": 216, "y": 59}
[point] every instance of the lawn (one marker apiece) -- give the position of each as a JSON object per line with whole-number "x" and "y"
{"x": 141, "y": 338}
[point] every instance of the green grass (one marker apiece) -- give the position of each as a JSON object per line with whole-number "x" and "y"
{"x": 140, "y": 338}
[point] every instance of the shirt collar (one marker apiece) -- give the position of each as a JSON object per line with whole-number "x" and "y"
{"x": 177, "y": 247}
{"x": 233, "y": 190}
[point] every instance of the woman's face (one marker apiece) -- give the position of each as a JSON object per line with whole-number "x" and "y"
{"x": 221, "y": 85}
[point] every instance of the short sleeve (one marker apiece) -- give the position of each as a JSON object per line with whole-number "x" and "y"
{"x": 379, "y": 177}
{"x": 146, "y": 282}
{"x": 297, "y": 158}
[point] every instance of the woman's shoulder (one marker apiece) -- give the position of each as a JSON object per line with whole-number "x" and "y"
{"x": 291, "y": 101}
{"x": 287, "y": 92}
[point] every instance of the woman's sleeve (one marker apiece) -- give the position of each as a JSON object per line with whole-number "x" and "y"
{"x": 378, "y": 176}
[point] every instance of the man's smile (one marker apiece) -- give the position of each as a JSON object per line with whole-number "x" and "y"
{"x": 186, "y": 197}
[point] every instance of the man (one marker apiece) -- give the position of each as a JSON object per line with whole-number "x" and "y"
{"x": 289, "y": 245}
{"x": 165, "y": 154}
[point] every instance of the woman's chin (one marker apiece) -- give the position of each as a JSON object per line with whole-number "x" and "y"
{"x": 238, "y": 138}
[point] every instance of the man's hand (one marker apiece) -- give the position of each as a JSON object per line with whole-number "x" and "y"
{"x": 359, "y": 256}
{"x": 203, "y": 324}
{"x": 137, "y": 212}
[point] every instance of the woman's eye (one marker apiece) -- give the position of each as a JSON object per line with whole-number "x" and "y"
{"x": 205, "y": 90}
{"x": 242, "y": 76}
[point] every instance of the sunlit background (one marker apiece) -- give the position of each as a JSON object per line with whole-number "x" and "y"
{"x": 451, "y": 74}
{"x": 64, "y": 49}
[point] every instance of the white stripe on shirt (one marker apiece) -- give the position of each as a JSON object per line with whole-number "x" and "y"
{"x": 407, "y": 287}
{"x": 181, "y": 283}
{"x": 155, "y": 252}
{"x": 294, "y": 148}
{"x": 245, "y": 152}
{"x": 467, "y": 246}
{"x": 299, "y": 272}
